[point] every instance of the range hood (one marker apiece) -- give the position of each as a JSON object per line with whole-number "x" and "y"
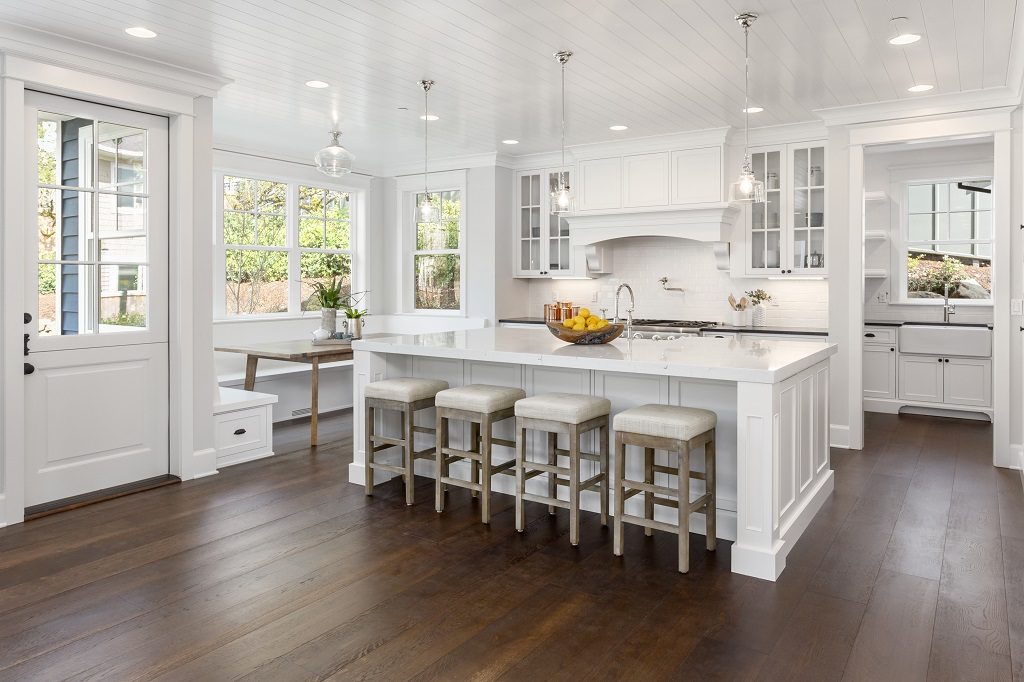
{"x": 710, "y": 223}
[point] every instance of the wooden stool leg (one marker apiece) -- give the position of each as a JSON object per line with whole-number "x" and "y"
{"x": 368, "y": 428}
{"x": 552, "y": 477}
{"x": 408, "y": 459}
{"x": 620, "y": 473}
{"x": 648, "y": 497}
{"x": 684, "y": 508}
{"x": 520, "y": 474}
{"x": 711, "y": 511}
{"x": 485, "y": 464}
{"x": 602, "y": 433}
{"x": 474, "y": 446}
{"x": 574, "y": 485}
{"x": 441, "y": 442}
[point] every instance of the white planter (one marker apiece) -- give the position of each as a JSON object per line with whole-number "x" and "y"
{"x": 759, "y": 316}
{"x": 740, "y": 318}
{"x": 329, "y": 320}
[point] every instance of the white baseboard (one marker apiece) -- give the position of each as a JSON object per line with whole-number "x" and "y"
{"x": 204, "y": 461}
{"x": 839, "y": 436}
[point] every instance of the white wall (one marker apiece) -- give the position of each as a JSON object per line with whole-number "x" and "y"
{"x": 642, "y": 261}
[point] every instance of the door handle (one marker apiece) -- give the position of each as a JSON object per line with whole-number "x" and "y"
{"x": 26, "y": 345}
{"x": 28, "y": 318}
{"x": 29, "y": 368}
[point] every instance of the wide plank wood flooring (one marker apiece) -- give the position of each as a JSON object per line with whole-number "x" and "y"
{"x": 280, "y": 570}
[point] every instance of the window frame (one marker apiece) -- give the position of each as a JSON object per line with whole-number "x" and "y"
{"x": 357, "y": 203}
{"x": 408, "y": 188}
{"x": 900, "y": 182}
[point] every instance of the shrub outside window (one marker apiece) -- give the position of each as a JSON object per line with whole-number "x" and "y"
{"x": 437, "y": 256}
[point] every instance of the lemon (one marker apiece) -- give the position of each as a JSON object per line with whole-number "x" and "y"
{"x": 579, "y": 327}
{"x": 593, "y": 319}
{"x": 584, "y": 312}
{"x": 568, "y": 323}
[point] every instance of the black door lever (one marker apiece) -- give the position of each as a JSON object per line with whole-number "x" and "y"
{"x": 29, "y": 368}
{"x": 26, "y": 345}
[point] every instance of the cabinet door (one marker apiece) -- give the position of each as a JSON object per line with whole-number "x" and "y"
{"x": 920, "y": 378}
{"x": 645, "y": 180}
{"x": 806, "y": 242}
{"x": 559, "y": 254}
{"x": 697, "y": 176}
{"x": 529, "y": 207}
{"x": 880, "y": 371}
{"x": 967, "y": 381}
{"x": 765, "y": 233}
{"x": 600, "y": 184}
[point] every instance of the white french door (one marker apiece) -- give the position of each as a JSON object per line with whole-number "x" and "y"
{"x": 96, "y": 394}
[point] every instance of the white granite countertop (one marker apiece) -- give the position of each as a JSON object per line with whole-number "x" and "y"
{"x": 757, "y": 360}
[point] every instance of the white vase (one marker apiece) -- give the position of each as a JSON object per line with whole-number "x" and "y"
{"x": 760, "y": 316}
{"x": 741, "y": 318}
{"x": 329, "y": 320}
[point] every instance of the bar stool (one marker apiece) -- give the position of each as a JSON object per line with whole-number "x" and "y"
{"x": 678, "y": 430}
{"x": 573, "y": 415}
{"x": 406, "y": 396}
{"x": 482, "y": 406}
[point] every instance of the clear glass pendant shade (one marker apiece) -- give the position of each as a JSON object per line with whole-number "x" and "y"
{"x": 747, "y": 187}
{"x": 561, "y": 200}
{"x": 334, "y": 160}
{"x": 428, "y": 210}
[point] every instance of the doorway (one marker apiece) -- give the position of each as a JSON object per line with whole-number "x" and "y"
{"x": 96, "y": 304}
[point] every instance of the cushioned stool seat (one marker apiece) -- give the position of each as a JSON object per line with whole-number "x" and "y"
{"x": 665, "y": 421}
{"x": 566, "y": 408}
{"x": 404, "y": 390}
{"x": 479, "y": 398}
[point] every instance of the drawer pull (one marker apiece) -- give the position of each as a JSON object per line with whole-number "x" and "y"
{"x": 870, "y": 335}
{"x": 239, "y": 432}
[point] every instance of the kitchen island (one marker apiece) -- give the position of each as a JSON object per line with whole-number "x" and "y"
{"x": 771, "y": 398}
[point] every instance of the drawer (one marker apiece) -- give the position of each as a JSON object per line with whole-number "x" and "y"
{"x": 242, "y": 430}
{"x": 880, "y": 335}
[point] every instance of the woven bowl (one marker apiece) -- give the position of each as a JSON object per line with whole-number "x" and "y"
{"x": 586, "y": 337}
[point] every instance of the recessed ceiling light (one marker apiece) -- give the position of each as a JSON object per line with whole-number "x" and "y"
{"x": 316, "y": 84}
{"x": 920, "y": 87}
{"x": 618, "y": 127}
{"x": 904, "y": 39}
{"x": 140, "y": 32}
{"x": 510, "y": 141}
{"x": 428, "y": 117}
{"x": 753, "y": 110}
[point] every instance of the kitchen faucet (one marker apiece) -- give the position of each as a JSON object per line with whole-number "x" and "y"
{"x": 629, "y": 310}
{"x": 947, "y": 309}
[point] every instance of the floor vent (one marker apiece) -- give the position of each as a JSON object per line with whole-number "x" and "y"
{"x": 304, "y": 412}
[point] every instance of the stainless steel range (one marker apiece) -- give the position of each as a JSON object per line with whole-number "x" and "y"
{"x": 669, "y": 330}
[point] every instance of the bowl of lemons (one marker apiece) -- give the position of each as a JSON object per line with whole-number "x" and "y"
{"x": 585, "y": 329}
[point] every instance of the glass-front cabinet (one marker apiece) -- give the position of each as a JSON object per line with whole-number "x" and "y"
{"x": 543, "y": 248}
{"x": 787, "y": 232}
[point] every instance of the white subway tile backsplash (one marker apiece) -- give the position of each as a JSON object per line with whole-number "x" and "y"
{"x": 690, "y": 265}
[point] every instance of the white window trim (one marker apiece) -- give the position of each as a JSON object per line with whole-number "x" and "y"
{"x": 281, "y": 171}
{"x": 900, "y": 179}
{"x": 407, "y": 189}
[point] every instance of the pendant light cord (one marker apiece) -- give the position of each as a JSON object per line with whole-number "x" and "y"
{"x": 426, "y": 132}
{"x": 746, "y": 92}
{"x": 563, "y": 125}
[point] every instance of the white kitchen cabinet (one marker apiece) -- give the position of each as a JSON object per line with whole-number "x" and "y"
{"x": 786, "y": 234}
{"x": 600, "y": 183}
{"x": 645, "y": 180}
{"x": 920, "y": 378}
{"x": 967, "y": 381}
{"x": 243, "y": 426}
{"x": 696, "y": 176}
{"x": 543, "y": 248}
{"x": 783, "y": 337}
{"x": 880, "y": 371}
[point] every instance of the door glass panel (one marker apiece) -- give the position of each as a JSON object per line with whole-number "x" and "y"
{"x": 774, "y": 251}
{"x": 122, "y": 302}
{"x": 121, "y": 158}
{"x": 800, "y": 166}
{"x": 120, "y": 213}
{"x": 817, "y": 217}
{"x": 757, "y": 250}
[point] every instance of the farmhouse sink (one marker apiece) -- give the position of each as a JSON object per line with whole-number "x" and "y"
{"x": 946, "y": 339}
{"x": 947, "y": 324}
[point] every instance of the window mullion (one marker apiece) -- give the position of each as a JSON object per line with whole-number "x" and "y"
{"x": 294, "y": 258}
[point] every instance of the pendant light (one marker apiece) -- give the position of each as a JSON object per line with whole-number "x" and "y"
{"x": 429, "y": 211}
{"x": 334, "y": 160}
{"x": 561, "y": 197}
{"x": 747, "y": 187}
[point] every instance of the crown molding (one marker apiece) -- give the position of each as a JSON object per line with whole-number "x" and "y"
{"x": 59, "y": 51}
{"x": 707, "y": 137}
{"x": 805, "y": 131}
{"x": 929, "y": 105}
{"x": 438, "y": 165}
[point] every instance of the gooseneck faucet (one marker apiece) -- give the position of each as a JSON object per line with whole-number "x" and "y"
{"x": 947, "y": 308}
{"x": 629, "y": 310}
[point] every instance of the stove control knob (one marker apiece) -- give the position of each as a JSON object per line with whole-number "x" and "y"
{"x": 671, "y": 338}
{"x": 638, "y": 335}
{"x": 656, "y": 337}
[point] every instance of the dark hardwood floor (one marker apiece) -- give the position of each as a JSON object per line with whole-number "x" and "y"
{"x": 281, "y": 570}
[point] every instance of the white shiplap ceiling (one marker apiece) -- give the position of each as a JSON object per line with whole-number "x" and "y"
{"x": 658, "y": 66}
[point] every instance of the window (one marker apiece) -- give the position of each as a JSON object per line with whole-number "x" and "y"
{"x": 437, "y": 255}
{"x": 949, "y": 239}
{"x": 277, "y": 239}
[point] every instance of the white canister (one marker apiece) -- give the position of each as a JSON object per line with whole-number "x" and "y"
{"x": 741, "y": 318}
{"x": 759, "y": 316}
{"x": 329, "y": 320}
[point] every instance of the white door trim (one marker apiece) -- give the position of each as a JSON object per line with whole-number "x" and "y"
{"x": 192, "y": 378}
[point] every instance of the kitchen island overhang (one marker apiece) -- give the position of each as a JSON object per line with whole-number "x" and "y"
{"x": 771, "y": 398}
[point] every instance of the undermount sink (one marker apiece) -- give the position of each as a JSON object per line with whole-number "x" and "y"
{"x": 946, "y": 339}
{"x": 947, "y": 324}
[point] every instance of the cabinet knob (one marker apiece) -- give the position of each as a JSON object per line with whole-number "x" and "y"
{"x": 893, "y": 349}
{"x": 940, "y": 359}
{"x": 946, "y": 360}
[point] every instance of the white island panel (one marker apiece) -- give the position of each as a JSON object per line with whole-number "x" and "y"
{"x": 771, "y": 398}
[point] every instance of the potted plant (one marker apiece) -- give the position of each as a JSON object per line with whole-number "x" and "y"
{"x": 328, "y": 295}
{"x": 758, "y": 298}
{"x": 354, "y": 316}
